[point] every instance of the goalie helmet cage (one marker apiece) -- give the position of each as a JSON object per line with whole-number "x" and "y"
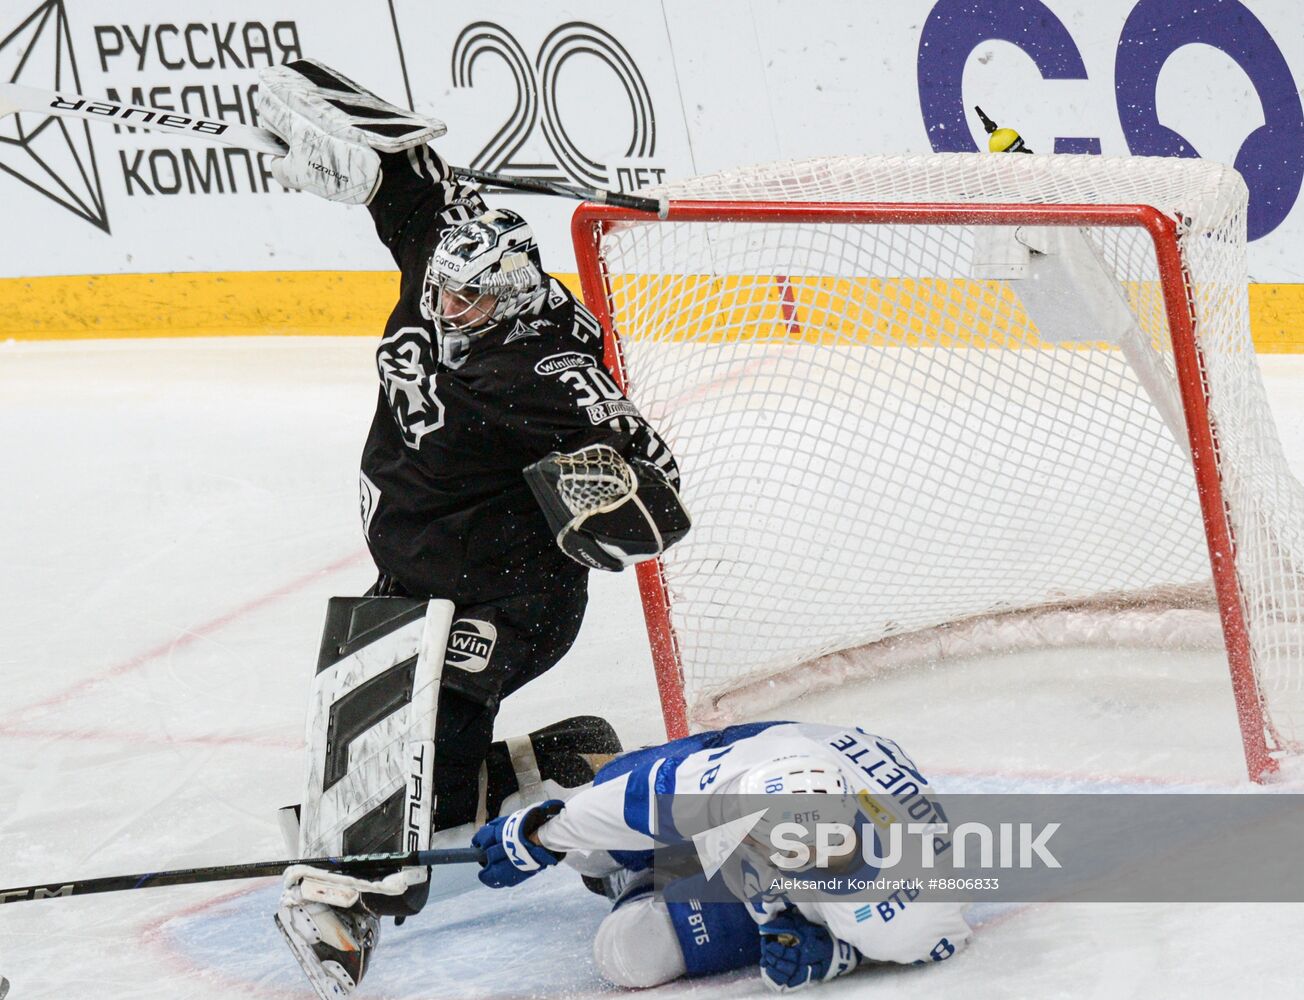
{"x": 946, "y": 404}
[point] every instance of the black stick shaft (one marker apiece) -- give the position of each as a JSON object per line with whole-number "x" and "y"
{"x": 361, "y": 865}
{"x": 653, "y": 205}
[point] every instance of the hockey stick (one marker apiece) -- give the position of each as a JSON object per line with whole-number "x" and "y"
{"x": 362, "y": 865}
{"x": 15, "y": 97}
{"x": 659, "y": 206}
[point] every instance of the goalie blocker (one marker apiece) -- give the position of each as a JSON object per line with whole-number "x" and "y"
{"x": 607, "y": 512}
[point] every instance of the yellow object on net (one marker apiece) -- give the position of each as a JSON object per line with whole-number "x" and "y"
{"x": 1005, "y": 140}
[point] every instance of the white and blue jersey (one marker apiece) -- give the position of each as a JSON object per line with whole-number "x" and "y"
{"x": 629, "y": 811}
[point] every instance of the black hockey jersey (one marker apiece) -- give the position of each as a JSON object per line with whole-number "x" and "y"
{"x": 445, "y": 505}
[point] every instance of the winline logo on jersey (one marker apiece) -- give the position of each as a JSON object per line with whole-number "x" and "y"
{"x": 878, "y": 849}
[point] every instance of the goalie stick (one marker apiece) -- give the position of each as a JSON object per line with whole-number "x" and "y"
{"x": 15, "y": 98}
{"x": 359, "y": 865}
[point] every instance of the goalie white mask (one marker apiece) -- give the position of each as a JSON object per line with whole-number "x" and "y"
{"x": 483, "y": 272}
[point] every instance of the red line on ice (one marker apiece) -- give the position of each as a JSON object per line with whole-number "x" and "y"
{"x": 154, "y": 934}
{"x": 187, "y": 638}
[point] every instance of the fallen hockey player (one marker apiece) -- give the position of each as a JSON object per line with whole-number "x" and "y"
{"x": 647, "y": 940}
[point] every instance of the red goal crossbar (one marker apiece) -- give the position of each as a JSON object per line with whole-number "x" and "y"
{"x": 592, "y": 221}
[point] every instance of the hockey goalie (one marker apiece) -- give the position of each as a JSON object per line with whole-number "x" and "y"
{"x": 631, "y": 808}
{"x": 502, "y": 465}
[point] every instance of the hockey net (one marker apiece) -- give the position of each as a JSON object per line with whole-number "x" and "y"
{"x": 941, "y": 404}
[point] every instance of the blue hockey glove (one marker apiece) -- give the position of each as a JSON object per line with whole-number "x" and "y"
{"x": 797, "y": 953}
{"x": 509, "y": 856}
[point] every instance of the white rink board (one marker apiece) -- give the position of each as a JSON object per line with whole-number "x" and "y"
{"x": 625, "y": 95}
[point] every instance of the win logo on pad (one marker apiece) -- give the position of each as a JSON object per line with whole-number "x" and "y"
{"x": 470, "y": 644}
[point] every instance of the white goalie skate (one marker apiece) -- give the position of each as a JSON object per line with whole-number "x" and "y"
{"x": 333, "y": 946}
{"x": 329, "y": 928}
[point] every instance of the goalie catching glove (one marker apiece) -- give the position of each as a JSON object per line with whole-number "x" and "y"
{"x": 605, "y": 511}
{"x": 335, "y": 130}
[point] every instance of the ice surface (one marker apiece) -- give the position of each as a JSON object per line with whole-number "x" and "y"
{"x": 177, "y": 514}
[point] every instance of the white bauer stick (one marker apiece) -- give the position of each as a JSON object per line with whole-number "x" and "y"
{"x": 15, "y": 97}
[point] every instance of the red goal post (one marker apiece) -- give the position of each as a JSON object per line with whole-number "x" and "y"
{"x": 608, "y": 289}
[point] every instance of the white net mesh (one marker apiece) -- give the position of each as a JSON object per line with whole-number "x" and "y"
{"x": 593, "y": 479}
{"x": 876, "y": 437}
